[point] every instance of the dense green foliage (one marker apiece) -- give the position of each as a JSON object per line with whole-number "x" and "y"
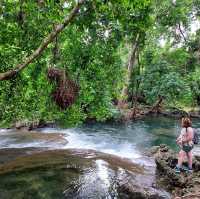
{"x": 169, "y": 63}
{"x": 94, "y": 50}
{"x": 87, "y": 49}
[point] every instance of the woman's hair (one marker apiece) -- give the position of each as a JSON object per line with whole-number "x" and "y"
{"x": 186, "y": 122}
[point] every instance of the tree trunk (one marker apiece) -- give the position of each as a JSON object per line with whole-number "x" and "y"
{"x": 180, "y": 30}
{"x": 135, "y": 95}
{"x": 21, "y": 14}
{"x": 46, "y": 41}
{"x": 157, "y": 106}
{"x": 130, "y": 66}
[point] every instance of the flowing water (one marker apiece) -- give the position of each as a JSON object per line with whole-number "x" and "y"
{"x": 130, "y": 141}
{"x": 125, "y": 140}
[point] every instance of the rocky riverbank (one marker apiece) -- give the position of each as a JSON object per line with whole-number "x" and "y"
{"x": 121, "y": 115}
{"x": 143, "y": 111}
{"x": 182, "y": 186}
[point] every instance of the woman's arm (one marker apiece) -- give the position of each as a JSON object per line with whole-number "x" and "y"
{"x": 179, "y": 139}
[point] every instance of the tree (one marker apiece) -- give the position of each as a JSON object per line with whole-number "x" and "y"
{"x": 46, "y": 41}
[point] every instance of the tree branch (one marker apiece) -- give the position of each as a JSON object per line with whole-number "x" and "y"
{"x": 179, "y": 27}
{"x": 46, "y": 41}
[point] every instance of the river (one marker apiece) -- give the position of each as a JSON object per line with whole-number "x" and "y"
{"x": 130, "y": 141}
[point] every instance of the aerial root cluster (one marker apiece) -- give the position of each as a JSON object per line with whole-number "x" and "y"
{"x": 66, "y": 89}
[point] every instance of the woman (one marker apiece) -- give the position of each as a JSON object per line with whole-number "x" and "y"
{"x": 185, "y": 141}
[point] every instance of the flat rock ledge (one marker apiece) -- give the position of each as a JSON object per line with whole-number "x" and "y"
{"x": 74, "y": 174}
{"x": 182, "y": 186}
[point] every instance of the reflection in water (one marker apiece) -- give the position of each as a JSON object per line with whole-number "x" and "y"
{"x": 102, "y": 172}
{"x": 97, "y": 182}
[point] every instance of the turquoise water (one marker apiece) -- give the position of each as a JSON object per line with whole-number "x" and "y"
{"x": 128, "y": 140}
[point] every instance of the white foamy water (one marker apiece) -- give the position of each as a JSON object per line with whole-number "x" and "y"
{"x": 126, "y": 141}
{"x": 106, "y": 142}
{"x": 2, "y": 131}
{"x": 103, "y": 143}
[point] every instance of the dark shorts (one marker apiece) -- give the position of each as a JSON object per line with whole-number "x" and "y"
{"x": 187, "y": 148}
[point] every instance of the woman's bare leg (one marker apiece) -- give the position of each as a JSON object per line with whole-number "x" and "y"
{"x": 189, "y": 156}
{"x": 181, "y": 156}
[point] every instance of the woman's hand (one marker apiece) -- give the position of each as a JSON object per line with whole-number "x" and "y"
{"x": 179, "y": 141}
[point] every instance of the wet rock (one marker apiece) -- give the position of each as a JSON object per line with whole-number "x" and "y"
{"x": 75, "y": 174}
{"x": 194, "y": 114}
{"x": 153, "y": 150}
{"x": 143, "y": 189}
{"x": 24, "y": 138}
{"x": 37, "y": 136}
{"x": 7, "y": 155}
{"x": 181, "y": 185}
{"x": 174, "y": 112}
{"x": 30, "y": 125}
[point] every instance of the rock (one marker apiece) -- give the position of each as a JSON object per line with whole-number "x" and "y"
{"x": 40, "y": 136}
{"x": 74, "y": 174}
{"x": 129, "y": 189}
{"x": 20, "y": 124}
{"x": 23, "y": 137}
{"x": 194, "y": 114}
{"x": 153, "y": 150}
{"x": 30, "y": 125}
{"x": 181, "y": 185}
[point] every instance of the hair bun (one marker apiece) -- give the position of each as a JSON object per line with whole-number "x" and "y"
{"x": 186, "y": 122}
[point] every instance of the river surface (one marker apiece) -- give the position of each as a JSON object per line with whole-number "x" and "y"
{"x": 129, "y": 142}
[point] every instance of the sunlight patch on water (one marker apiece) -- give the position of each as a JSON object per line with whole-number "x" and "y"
{"x": 102, "y": 172}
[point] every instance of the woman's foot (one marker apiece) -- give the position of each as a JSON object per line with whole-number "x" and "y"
{"x": 189, "y": 170}
{"x": 177, "y": 169}
{"x": 185, "y": 168}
